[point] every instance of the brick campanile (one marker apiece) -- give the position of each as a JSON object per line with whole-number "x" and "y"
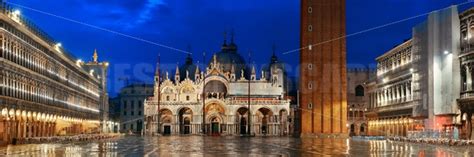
{"x": 323, "y": 99}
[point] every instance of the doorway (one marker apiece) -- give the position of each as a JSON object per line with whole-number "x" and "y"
{"x": 166, "y": 130}
{"x": 215, "y": 126}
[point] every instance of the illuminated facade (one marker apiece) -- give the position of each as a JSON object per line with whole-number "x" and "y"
{"x": 323, "y": 94}
{"x": 391, "y": 99}
{"x": 180, "y": 100}
{"x": 419, "y": 82}
{"x": 44, "y": 91}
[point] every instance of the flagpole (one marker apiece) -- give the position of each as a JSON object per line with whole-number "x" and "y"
{"x": 248, "y": 96}
{"x": 159, "y": 93}
{"x": 203, "y": 126}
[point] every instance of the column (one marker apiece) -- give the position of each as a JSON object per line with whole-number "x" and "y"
{"x": 468, "y": 78}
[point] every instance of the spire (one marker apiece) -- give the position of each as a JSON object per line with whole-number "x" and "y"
{"x": 214, "y": 60}
{"x": 274, "y": 58}
{"x": 253, "y": 70}
{"x": 177, "y": 69}
{"x": 197, "y": 69}
{"x": 177, "y": 79}
{"x": 95, "y": 56}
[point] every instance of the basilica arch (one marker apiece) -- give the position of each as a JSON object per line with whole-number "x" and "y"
{"x": 166, "y": 121}
{"x": 185, "y": 116}
{"x": 215, "y": 117}
{"x": 216, "y": 87}
{"x": 242, "y": 120}
{"x": 264, "y": 118}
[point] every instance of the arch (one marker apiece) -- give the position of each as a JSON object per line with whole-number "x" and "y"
{"x": 185, "y": 115}
{"x": 242, "y": 111}
{"x": 167, "y": 90}
{"x": 28, "y": 115}
{"x": 215, "y": 121}
{"x": 283, "y": 112}
{"x": 23, "y": 115}
{"x": 216, "y": 87}
{"x": 359, "y": 90}
{"x": 264, "y": 116}
{"x": 166, "y": 116}
{"x": 214, "y": 107}
{"x": 5, "y": 112}
{"x": 187, "y": 89}
{"x": 242, "y": 119}
{"x": 165, "y": 111}
{"x": 18, "y": 114}
{"x": 352, "y": 129}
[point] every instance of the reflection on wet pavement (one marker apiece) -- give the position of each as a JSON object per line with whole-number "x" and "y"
{"x": 233, "y": 146}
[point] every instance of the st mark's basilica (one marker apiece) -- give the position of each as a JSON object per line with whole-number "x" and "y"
{"x": 226, "y": 80}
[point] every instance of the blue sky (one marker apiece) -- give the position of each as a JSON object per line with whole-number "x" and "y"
{"x": 258, "y": 24}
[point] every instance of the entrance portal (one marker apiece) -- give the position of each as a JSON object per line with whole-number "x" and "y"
{"x": 215, "y": 127}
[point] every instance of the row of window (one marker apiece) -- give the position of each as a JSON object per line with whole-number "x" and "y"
{"x": 399, "y": 58}
{"x": 26, "y": 88}
{"x": 31, "y": 57}
{"x": 132, "y": 104}
{"x": 132, "y": 113}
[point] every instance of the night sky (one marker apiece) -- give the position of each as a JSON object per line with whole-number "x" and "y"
{"x": 257, "y": 24}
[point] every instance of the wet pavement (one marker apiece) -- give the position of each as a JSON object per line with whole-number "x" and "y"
{"x": 234, "y": 146}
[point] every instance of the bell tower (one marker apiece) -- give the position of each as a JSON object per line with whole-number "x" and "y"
{"x": 323, "y": 100}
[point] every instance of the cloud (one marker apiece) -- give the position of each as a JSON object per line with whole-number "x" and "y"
{"x": 145, "y": 15}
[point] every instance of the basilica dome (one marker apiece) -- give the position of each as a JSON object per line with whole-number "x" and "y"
{"x": 188, "y": 68}
{"x": 229, "y": 56}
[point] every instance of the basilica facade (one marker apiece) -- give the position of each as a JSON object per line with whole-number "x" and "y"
{"x": 222, "y": 99}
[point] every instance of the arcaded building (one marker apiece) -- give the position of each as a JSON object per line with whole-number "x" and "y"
{"x": 423, "y": 84}
{"x": 224, "y": 98}
{"x": 323, "y": 100}
{"x": 44, "y": 90}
